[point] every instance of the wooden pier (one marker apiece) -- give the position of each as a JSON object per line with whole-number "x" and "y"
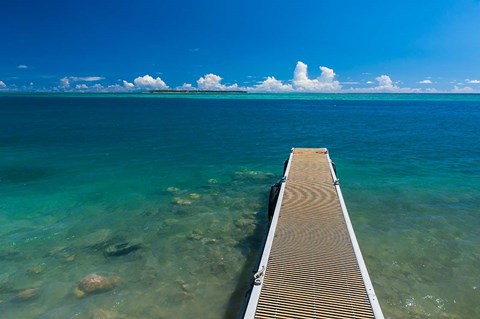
{"x": 311, "y": 265}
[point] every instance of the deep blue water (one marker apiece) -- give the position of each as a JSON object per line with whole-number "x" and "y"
{"x": 188, "y": 179}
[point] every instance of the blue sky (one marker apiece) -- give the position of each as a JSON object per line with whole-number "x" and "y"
{"x": 362, "y": 46}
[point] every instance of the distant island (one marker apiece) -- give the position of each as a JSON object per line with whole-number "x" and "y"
{"x": 197, "y": 91}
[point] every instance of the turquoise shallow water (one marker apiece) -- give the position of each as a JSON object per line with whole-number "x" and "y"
{"x": 187, "y": 179}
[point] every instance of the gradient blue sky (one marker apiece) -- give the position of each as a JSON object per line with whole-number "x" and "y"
{"x": 109, "y": 42}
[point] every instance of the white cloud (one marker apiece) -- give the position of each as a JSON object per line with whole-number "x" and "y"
{"x": 301, "y": 82}
{"x": 385, "y": 83}
{"x": 211, "y": 82}
{"x": 324, "y": 83}
{"x": 86, "y": 78}
{"x": 2, "y": 85}
{"x": 186, "y": 87}
{"x": 465, "y": 89}
{"x": 472, "y": 81}
{"x": 64, "y": 82}
{"x": 272, "y": 85}
{"x": 427, "y": 81}
{"x": 115, "y": 88}
{"x": 100, "y": 88}
{"x": 128, "y": 85}
{"x": 22, "y": 66}
{"x": 148, "y": 82}
{"x": 81, "y": 87}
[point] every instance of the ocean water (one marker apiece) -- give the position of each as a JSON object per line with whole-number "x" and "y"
{"x": 184, "y": 181}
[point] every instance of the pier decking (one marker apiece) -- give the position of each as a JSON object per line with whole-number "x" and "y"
{"x": 311, "y": 266}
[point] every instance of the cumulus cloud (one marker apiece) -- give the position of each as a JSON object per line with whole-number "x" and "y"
{"x": 472, "y": 81}
{"x": 65, "y": 82}
{"x": 385, "y": 84}
{"x": 427, "y": 81}
{"x": 148, "y": 82}
{"x": 272, "y": 85}
{"x": 97, "y": 87}
{"x": 465, "y": 89}
{"x": 101, "y": 88}
{"x": 81, "y": 87}
{"x": 301, "y": 82}
{"x": 186, "y": 87}
{"x": 22, "y": 66}
{"x": 115, "y": 88}
{"x": 86, "y": 78}
{"x": 2, "y": 85}
{"x": 212, "y": 82}
{"x": 128, "y": 85}
{"x": 324, "y": 83}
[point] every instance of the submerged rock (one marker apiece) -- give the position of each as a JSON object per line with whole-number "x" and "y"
{"x": 105, "y": 314}
{"x": 69, "y": 258}
{"x": 195, "y": 235}
{"x": 94, "y": 283}
{"x": 182, "y": 201}
{"x": 55, "y": 251}
{"x": 244, "y": 222}
{"x": 194, "y": 196}
{"x": 36, "y": 269}
{"x": 26, "y": 295}
{"x": 253, "y": 175}
{"x": 184, "y": 287}
{"x": 121, "y": 249}
{"x": 172, "y": 189}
